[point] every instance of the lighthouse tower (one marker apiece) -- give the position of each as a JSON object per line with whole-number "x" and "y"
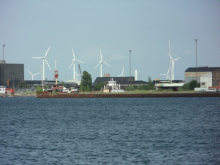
{"x": 56, "y": 75}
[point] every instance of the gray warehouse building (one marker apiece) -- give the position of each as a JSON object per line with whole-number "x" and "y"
{"x": 194, "y": 73}
{"x": 11, "y": 74}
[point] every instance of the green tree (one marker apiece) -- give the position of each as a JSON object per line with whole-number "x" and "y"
{"x": 150, "y": 84}
{"x": 39, "y": 89}
{"x": 87, "y": 88}
{"x": 130, "y": 88}
{"x": 81, "y": 88}
{"x": 86, "y": 81}
{"x": 62, "y": 83}
{"x": 99, "y": 86}
{"x": 185, "y": 86}
{"x": 23, "y": 84}
{"x": 193, "y": 84}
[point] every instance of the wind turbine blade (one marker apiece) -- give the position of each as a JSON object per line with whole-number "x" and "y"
{"x": 177, "y": 58}
{"x": 80, "y": 61}
{"x": 29, "y": 72}
{"x": 101, "y": 54}
{"x": 38, "y": 57}
{"x": 97, "y": 65}
{"x": 73, "y": 53}
{"x": 36, "y": 73}
{"x": 46, "y": 52}
{"x": 47, "y": 64}
{"x": 168, "y": 71}
{"x": 106, "y": 63}
{"x": 170, "y": 55}
{"x": 70, "y": 65}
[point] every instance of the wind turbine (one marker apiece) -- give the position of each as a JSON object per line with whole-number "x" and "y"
{"x": 167, "y": 74}
{"x": 44, "y": 59}
{"x": 33, "y": 74}
{"x": 122, "y": 74}
{"x": 171, "y": 63}
{"x": 73, "y": 63}
{"x": 100, "y": 63}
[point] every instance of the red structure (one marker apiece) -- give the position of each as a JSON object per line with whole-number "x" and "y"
{"x": 56, "y": 75}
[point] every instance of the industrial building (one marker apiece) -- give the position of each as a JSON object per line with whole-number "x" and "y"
{"x": 206, "y": 76}
{"x": 11, "y": 74}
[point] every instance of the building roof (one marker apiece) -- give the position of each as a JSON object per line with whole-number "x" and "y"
{"x": 201, "y": 69}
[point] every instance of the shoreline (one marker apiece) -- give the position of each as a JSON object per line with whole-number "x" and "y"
{"x": 114, "y": 95}
{"x": 126, "y": 95}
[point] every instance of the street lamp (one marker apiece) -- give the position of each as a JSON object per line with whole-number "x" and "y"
{"x": 196, "y": 62}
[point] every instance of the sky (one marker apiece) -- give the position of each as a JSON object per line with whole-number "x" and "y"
{"x": 28, "y": 28}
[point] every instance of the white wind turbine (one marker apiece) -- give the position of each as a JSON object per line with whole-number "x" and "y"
{"x": 100, "y": 63}
{"x": 33, "y": 74}
{"x": 44, "y": 59}
{"x": 167, "y": 74}
{"x": 73, "y": 63}
{"x": 122, "y": 74}
{"x": 171, "y": 63}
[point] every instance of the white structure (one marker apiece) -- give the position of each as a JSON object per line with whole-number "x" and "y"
{"x": 135, "y": 75}
{"x": 73, "y": 64}
{"x": 44, "y": 59}
{"x": 122, "y": 73}
{"x": 114, "y": 86}
{"x": 100, "y": 63}
{"x": 32, "y": 75}
{"x": 2, "y": 89}
{"x": 171, "y": 68}
{"x": 205, "y": 82}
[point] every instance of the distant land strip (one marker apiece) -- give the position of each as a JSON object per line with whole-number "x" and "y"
{"x": 136, "y": 95}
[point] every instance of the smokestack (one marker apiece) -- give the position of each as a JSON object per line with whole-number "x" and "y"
{"x": 135, "y": 73}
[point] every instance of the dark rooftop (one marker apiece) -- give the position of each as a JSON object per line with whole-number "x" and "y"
{"x": 202, "y": 69}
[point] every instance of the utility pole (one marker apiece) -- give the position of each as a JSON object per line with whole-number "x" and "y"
{"x": 3, "y": 68}
{"x": 3, "y": 53}
{"x": 130, "y": 62}
{"x": 196, "y": 63}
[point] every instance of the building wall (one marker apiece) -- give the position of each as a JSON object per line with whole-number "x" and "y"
{"x": 216, "y": 77}
{"x": 10, "y": 73}
{"x": 206, "y": 81}
{"x": 189, "y": 76}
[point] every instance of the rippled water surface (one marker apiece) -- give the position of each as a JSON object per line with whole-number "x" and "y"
{"x": 109, "y": 131}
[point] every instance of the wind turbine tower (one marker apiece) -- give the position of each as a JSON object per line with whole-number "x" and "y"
{"x": 44, "y": 59}
{"x": 100, "y": 63}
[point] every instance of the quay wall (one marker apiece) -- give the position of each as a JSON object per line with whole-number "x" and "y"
{"x": 48, "y": 95}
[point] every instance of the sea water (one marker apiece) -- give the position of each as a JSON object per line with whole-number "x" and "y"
{"x": 109, "y": 130}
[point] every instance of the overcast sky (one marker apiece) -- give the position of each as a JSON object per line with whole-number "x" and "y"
{"x": 28, "y": 28}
